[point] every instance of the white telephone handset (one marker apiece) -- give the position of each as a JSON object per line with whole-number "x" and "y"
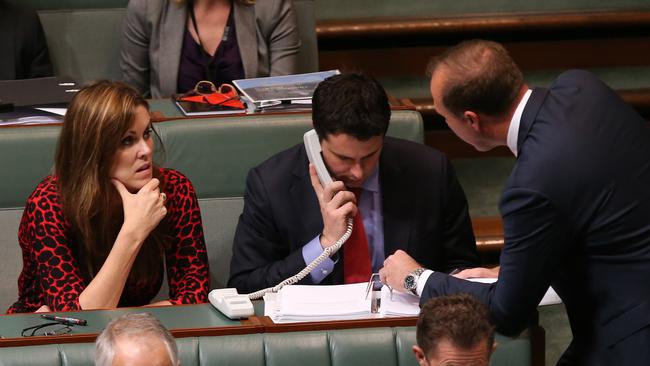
{"x": 226, "y": 300}
{"x": 312, "y": 146}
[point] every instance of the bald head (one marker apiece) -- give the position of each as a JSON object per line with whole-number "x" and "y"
{"x": 136, "y": 339}
{"x": 476, "y": 75}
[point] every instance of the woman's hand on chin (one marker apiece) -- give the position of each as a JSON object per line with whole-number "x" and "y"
{"x": 142, "y": 210}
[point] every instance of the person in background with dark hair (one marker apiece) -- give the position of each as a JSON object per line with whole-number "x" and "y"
{"x": 98, "y": 233}
{"x": 170, "y": 45}
{"x": 409, "y": 199}
{"x": 576, "y": 208}
{"x": 454, "y": 330}
{"x": 23, "y": 51}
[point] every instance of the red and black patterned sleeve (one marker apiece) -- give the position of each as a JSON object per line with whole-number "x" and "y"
{"x": 187, "y": 260}
{"x": 50, "y": 274}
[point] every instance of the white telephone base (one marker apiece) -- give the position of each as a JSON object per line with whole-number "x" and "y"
{"x": 231, "y": 304}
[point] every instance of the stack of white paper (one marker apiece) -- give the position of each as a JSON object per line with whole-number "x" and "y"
{"x": 300, "y": 303}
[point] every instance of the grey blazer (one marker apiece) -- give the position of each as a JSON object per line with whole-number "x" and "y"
{"x": 152, "y": 38}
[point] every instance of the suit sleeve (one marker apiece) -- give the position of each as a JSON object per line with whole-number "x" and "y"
{"x": 283, "y": 40}
{"x": 136, "y": 38}
{"x": 536, "y": 240}
{"x": 457, "y": 235}
{"x": 261, "y": 258}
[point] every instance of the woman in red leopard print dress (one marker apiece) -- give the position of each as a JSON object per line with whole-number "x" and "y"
{"x": 99, "y": 232}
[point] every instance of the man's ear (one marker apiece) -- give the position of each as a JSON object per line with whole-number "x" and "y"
{"x": 419, "y": 355}
{"x": 473, "y": 119}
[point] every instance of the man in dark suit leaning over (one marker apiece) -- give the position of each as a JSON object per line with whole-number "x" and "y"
{"x": 576, "y": 208}
{"x": 410, "y": 199}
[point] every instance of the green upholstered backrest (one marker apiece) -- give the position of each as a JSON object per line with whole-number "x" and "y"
{"x": 366, "y": 346}
{"x": 84, "y": 44}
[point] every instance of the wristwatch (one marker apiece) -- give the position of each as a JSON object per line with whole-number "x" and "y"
{"x": 411, "y": 280}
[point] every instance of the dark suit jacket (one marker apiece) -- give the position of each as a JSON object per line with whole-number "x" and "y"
{"x": 424, "y": 210}
{"x": 23, "y": 51}
{"x": 576, "y": 213}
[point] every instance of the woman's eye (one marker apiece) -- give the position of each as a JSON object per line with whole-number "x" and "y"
{"x": 147, "y": 133}
{"x": 127, "y": 141}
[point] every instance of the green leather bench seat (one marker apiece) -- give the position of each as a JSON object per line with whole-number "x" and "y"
{"x": 358, "y": 347}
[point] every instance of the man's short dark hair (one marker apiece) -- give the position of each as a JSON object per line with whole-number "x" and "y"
{"x": 459, "y": 319}
{"x": 350, "y": 103}
{"x": 480, "y": 77}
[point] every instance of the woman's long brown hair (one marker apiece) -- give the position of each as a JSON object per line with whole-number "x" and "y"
{"x": 94, "y": 125}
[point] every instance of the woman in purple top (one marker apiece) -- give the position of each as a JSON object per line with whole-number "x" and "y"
{"x": 168, "y": 46}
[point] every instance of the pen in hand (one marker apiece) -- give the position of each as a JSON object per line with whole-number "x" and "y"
{"x": 64, "y": 320}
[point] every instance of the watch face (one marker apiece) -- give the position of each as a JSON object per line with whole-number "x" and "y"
{"x": 409, "y": 282}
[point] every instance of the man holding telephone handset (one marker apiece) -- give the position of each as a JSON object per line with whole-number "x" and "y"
{"x": 402, "y": 196}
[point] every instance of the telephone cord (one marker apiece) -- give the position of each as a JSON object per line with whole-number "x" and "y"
{"x": 327, "y": 252}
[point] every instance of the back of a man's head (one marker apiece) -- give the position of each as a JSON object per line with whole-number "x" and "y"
{"x": 454, "y": 327}
{"x": 134, "y": 339}
{"x": 480, "y": 76}
{"x": 352, "y": 104}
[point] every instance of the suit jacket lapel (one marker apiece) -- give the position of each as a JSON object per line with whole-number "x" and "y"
{"x": 246, "y": 37}
{"x": 171, "y": 44}
{"x": 303, "y": 196}
{"x": 396, "y": 201}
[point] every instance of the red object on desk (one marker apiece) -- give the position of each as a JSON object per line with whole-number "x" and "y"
{"x": 216, "y": 99}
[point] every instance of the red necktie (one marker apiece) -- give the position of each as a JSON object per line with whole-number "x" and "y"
{"x": 356, "y": 256}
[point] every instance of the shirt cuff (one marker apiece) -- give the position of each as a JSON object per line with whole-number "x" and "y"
{"x": 311, "y": 251}
{"x": 422, "y": 281}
